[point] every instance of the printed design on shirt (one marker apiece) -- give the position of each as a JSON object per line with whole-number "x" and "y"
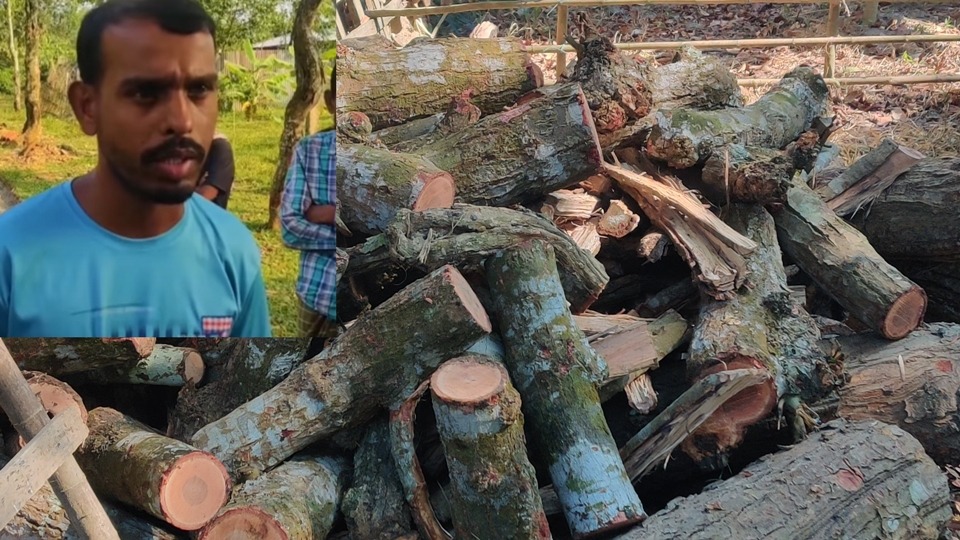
{"x": 216, "y": 326}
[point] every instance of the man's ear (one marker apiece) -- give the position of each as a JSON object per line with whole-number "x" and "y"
{"x": 84, "y": 104}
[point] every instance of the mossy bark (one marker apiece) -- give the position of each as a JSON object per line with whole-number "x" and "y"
{"x": 737, "y": 173}
{"x": 393, "y": 86}
{"x": 377, "y": 362}
{"x": 63, "y": 356}
{"x": 556, "y": 373}
{"x": 696, "y": 81}
{"x": 164, "y": 366}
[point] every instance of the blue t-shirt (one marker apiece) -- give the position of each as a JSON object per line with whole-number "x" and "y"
{"x": 63, "y": 275}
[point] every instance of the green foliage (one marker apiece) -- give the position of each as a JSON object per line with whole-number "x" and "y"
{"x": 249, "y": 20}
{"x": 261, "y": 85}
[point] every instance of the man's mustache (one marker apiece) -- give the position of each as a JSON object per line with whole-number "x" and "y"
{"x": 178, "y": 147}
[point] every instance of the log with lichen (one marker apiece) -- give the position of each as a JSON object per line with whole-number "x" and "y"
{"x": 64, "y": 356}
{"x": 166, "y": 365}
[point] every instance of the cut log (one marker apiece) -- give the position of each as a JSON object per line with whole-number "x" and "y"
{"x": 377, "y": 362}
{"x": 373, "y": 184}
{"x": 165, "y": 366}
{"x": 56, "y": 396}
{"x": 466, "y": 235}
{"x": 829, "y": 486}
{"x": 555, "y": 372}
{"x": 872, "y": 186}
{"x": 297, "y": 500}
{"x": 686, "y": 137}
{"x": 592, "y": 323}
{"x": 566, "y": 205}
{"x": 128, "y": 462}
{"x": 865, "y": 166}
{"x": 494, "y": 487}
{"x": 736, "y": 173}
{"x": 394, "y": 136}
{"x": 846, "y": 266}
{"x": 393, "y": 86}
{"x": 695, "y": 81}
{"x": 546, "y": 142}
{"x": 618, "y": 221}
{"x": 459, "y": 114}
{"x": 62, "y": 356}
{"x": 941, "y": 283}
{"x": 374, "y": 506}
{"x": 249, "y": 368}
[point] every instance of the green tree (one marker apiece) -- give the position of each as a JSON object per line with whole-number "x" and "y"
{"x": 253, "y": 20}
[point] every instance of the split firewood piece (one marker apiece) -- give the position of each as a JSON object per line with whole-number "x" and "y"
{"x": 863, "y": 193}
{"x": 393, "y": 86}
{"x": 127, "y": 461}
{"x": 618, "y": 221}
{"x": 62, "y": 356}
{"x": 653, "y": 246}
{"x": 829, "y": 486}
{"x": 672, "y": 297}
{"x": 374, "y": 505}
{"x": 545, "y": 142}
{"x": 556, "y": 373}
{"x": 466, "y": 235}
{"x": 585, "y": 235}
{"x": 737, "y": 173}
{"x": 569, "y": 205}
{"x": 846, "y": 266}
{"x": 889, "y": 159}
{"x": 592, "y": 323}
{"x": 640, "y": 394}
{"x": 750, "y": 331}
{"x": 299, "y": 499}
{"x": 376, "y": 362}
{"x": 480, "y": 423}
{"x": 712, "y": 249}
{"x": 165, "y": 366}
{"x": 686, "y": 137}
{"x": 373, "y": 184}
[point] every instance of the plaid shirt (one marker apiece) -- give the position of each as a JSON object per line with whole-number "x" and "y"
{"x": 312, "y": 179}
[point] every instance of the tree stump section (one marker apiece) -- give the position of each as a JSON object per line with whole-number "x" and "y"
{"x": 377, "y": 362}
{"x": 850, "y": 480}
{"x": 128, "y": 462}
{"x": 556, "y": 373}
{"x": 393, "y": 86}
{"x": 494, "y": 486}
{"x": 846, "y": 266}
{"x": 296, "y": 501}
{"x": 62, "y": 356}
{"x": 373, "y": 184}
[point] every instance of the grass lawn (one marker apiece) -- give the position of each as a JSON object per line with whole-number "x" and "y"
{"x": 255, "y": 145}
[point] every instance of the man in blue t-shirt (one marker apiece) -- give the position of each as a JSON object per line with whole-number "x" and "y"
{"x": 128, "y": 249}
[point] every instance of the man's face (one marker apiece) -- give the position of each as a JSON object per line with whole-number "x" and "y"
{"x": 155, "y": 110}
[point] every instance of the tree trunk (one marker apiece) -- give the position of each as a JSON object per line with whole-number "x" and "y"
{"x": 465, "y": 236}
{"x": 556, "y": 373}
{"x": 736, "y": 173}
{"x": 127, "y": 461}
{"x": 377, "y": 362}
{"x": 494, "y": 486}
{"x": 858, "y": 480}
{"x": 310, "y": 78}
{"x": 846, "y": 266}
{"x": 686, "y": 137}
{"x": 393, "y": 86}
{"x": 165, "y": 366}
{"x": 15, "y": 55}
{"x": 64, "y": 356}
{"x": 297, "y": 500}
{"x": 34, "y": 35}
{"x": 373, "y": 184}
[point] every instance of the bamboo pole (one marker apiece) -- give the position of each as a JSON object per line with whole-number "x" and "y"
{"x": 849, "y": 81}
{"x": 28, "y": 417}
{"x": 833, "y": 29}
{"x": 561, "y": 35}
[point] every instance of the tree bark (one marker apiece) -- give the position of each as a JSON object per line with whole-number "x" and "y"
{"x": 941, "y": 283}
{"x": 546, "y": 142}
{"x": 310, "y": 78}
{"x": 846, "y": 266}
{"x": 494, "y": 486}
{"x": 861, "y": 169}
{"x": 736, "y": 173}
{"x": 34, "y": 35}
{"x": 165, "y": 366}
{"x": 378, "y": 361}
{"x": 858, "y": 480}
{"x": 694, "y": 81}
{"x": 373, "y": 184}
{"x": 63, "y": 356}
{"x": 55, "y": 396}
{"x": 465, "y": 236}
{"x": 686, "y": 137}
{"x": 297, "y": 500}
{"x": 127, "y": 461}
{"x": 15, "y": 55}
{"x": 393, "y": 86}
{"x": 556, "y": 373}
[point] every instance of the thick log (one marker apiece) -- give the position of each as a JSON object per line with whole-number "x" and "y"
{"x": 374, "y": 504}
{"x": 737, "y": 173}
{"x": 373, "y": 184}
{"x": 297, "y": 500}
{"x": 465, "y": 236}
{"x": 377, "y": 362}
{"x": 127, "y": 461}
{"x": 494, "y": 486}
{"x": 694, "y": 81}
{"x": 555, "y": 372}
{"x": 63, "y": 356}
{"x": 546, "y": 142}
{"x": 56, "y": 396}
{"x": 393, "y": 86}
{"x": 165, "y": 366}
{"x": 856, "y": 480}
{"x": 844, "y": 264}
{"x": 686, "y": 137}
{"x": 459, "y": 114}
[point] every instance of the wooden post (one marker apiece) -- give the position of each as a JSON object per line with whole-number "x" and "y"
{"x": 870, "y": 11}
{"x": 833, "y": 29}
{"x": 28, "y": 417}
{"x": 561, "y": 36}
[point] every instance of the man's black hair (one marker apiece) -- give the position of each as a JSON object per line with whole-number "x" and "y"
{"x": 183, "y": 17}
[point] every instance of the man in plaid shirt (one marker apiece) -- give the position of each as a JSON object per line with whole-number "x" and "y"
{"x": 308, "y": 216}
